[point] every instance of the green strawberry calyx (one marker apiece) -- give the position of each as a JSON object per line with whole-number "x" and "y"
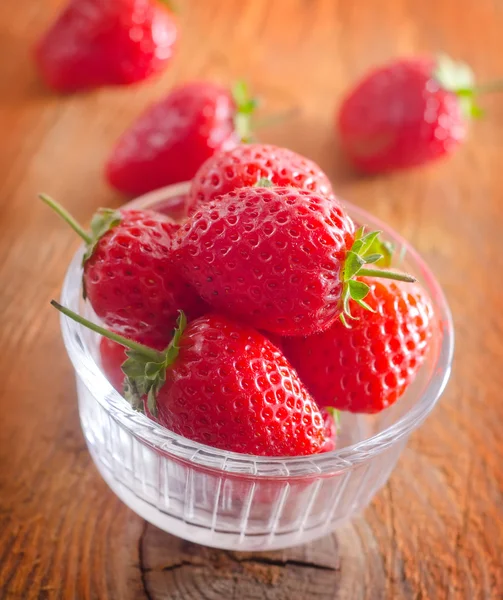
{"x": 144, "y": 376}
{"x": 245, "y": 121}
{"x": 367, "y": 249}
{"x": 263, "y": 182}
{"x": 245, "y": 107}
{"x": 458, "y": 78}
{"x": 103, "y": 220}
{"x": 336, "y": 416}
{"x": 384, "y": 248}
{"x": 145, "y": 368}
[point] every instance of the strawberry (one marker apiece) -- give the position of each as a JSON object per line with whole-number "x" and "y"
{"x": 368, "y": 367}
{"x": 106, "y": 42}
{"x": 174, "y": 207}
{"x": 222, "y": 384}
{"x": 330, "y": 423}
{"x": 172, "y": 139}
{"x": 247, "y": 164}
{"x": 407, "y": 113}
{"x": 129, "y": 276}
{"x": 112, "y": 357}
{"x": 281, "y": 259}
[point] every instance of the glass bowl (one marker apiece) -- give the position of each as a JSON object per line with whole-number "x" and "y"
{"x": 235, "y": 501}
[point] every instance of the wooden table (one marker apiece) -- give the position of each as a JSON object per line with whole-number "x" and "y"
{"x": 436, "y": 531}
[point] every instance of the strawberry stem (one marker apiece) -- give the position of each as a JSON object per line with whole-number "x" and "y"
{"x": 66, "y": 216}
{"x": 491, "y": 86}
{"x": 154, "y": 355}
{"x": 276, "y": 119}
{"x": 386, "y": 275}
{"x": 367, "y": 249}
{"x": 103, "y": 220}
{"x": 245, "y": 106}
{"x": 145, "y": 368}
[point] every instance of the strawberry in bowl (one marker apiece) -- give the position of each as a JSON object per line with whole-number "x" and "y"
{"x": 279, "y": 258}
{"x": 235, "y": 431}
{"x": 247, "y": 164}
{"x": 128, "y": 272}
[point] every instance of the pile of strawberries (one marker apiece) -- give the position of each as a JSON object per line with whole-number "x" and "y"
{"x": 248, "y": 324}
{"x": 251, "y": 319}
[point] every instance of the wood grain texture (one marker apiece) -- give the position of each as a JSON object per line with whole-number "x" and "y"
{"x": 436, "y": 531}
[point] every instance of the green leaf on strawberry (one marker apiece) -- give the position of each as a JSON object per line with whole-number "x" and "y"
{"x": 145, "y": 376}
{"x": 145, "y": 368}
{"x": 458, "y": 77}
{"x": 103, "y": 220}
{"x": 366, "y": 249}
{"x": 245, "y": 107}
{"x": 336, "y": 416}
{"x": 264, "y": 182}
{"x": 380, "y": 253}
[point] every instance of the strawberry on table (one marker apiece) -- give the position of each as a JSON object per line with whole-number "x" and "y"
{"x": 172, "y": 139}
{"x": 106, "y": 42}
{"x": 246, "y": 164}
{"x": 283, "y": 260}
{"x": 407, "y": 113}
{"x": 368, "y": 367}
{"x": 222, "y": 384}
{"x": 129, "y": 275}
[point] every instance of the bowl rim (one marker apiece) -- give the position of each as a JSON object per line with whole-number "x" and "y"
{"x": 176, "y": 446}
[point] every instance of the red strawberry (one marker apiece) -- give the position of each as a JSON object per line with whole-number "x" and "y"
{"x": 112, "y": 357}
{"x": 330, "y": 429}
{"x": 246, "y": 164}
{"x": 281, "y": 259}
{"x": 368, "y": 367}
{"x": 106, "y": 42}
{"x": 223, "y": 384}
{"x": 407, "y": 113}
{"x": 174, "y": 207}
{"x": 129, "y": 276}
{"x": 172, "y": 139}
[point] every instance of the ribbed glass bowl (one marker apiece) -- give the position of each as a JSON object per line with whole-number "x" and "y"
{"x": 236, "y": 501}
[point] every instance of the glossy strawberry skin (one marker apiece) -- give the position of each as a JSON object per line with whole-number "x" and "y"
{"x": 174, "y": 207}
{"x": 112, "y": 357}
{"x": 246, "y": 164}
{"x": 131, "y": 281}
{"x": 272, "y": 257}
{"x": 330, "y": 431}
{"x": 172, "y": 139}
{"x": 106, "y": 42}
{"x": 398, "y": 116}
{"x": 366, "y": 368}
{"x": 230, "y": 388}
